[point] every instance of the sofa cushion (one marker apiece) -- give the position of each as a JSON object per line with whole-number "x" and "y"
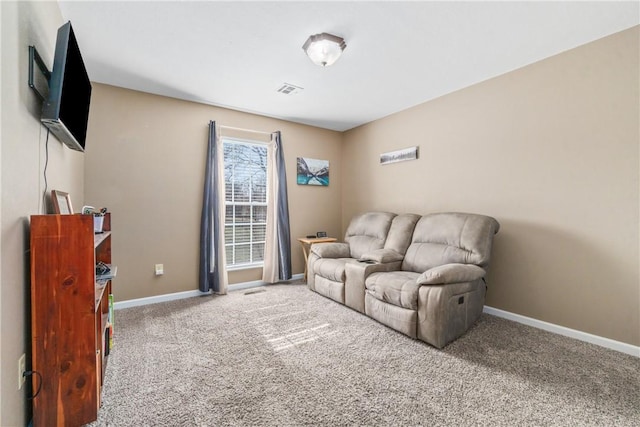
{"x": 332, "y": 268}
{"x": 446, "y": 238}
{"x": 398, "y": 288}
{"x": 368, "y": 232}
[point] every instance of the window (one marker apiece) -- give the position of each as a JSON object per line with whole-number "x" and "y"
{"x": 245, "y": 181}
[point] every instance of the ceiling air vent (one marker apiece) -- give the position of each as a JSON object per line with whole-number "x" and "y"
{"x": 289, "y": 89}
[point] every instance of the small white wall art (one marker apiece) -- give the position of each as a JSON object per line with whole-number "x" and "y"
{"x": 410, "y": 153}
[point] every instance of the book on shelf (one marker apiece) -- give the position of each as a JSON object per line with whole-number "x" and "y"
{"x": 110, "y": 320}
{"x": 111, "y": 308}
{"x": 107, "y": 344}
{"x": 113, "y": 270}
{"x": 110, "y": 336}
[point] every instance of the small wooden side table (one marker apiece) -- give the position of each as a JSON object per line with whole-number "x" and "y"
{"x": 306, "y": 243}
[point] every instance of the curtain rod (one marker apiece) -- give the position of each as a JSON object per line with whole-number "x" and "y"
{"x": 245, "y": 130}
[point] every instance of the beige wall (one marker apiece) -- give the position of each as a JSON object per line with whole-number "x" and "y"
{"x": 22, "y": 184}
{"x": 145, "y": 162}
{"x": 551, "y": 151}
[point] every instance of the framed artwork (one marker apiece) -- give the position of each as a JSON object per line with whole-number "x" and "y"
{"x": 410, "y": 153}
{"x": 61, "y": 202}
{"x": 313, "y": 172}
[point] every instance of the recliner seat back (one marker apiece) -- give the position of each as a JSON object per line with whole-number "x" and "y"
{"x": 445, "y": 238}
{"x": 368, "y": 232}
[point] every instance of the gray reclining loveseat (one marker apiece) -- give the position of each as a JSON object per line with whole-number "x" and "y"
{"x": 422, "y": 276}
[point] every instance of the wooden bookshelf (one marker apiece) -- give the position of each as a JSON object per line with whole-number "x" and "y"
{"x": 69, "y": 317}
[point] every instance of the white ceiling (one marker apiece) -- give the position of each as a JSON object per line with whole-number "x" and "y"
{"x": 399, "y": 54}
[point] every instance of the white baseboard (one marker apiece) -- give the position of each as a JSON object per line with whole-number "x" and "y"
{"x": 188, "y": 294}
{"x": 256, "y": 283}
{"x": 567, "y": 332}
{"x": 156, "y": 299}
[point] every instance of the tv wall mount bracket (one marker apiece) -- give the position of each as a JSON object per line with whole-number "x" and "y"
{"x": 39, "y": 83}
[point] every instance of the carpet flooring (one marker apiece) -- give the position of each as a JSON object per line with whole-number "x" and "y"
{"x": 282, "y": 355}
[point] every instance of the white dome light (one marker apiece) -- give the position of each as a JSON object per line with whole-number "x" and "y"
{"x": 324, "y": 49}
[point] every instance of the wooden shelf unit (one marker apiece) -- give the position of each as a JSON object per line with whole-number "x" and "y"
{"x": 69, "y": 317}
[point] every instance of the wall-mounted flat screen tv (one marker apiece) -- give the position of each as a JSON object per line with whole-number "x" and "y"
{"x": 66, "y": 111}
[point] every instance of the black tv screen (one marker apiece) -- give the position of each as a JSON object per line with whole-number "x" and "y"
{"x": 66, "y": 111}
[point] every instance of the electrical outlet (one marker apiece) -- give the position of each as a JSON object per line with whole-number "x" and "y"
{"x": 159, "y": 269}
{"x": 22, "y": 367}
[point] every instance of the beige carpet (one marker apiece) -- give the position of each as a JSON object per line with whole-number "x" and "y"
{"x": 284, "y": 356}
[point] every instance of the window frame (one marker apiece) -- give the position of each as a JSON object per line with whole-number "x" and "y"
{"x": 252, "y": 264}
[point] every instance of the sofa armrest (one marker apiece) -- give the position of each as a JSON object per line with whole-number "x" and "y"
{"x": 382, "y": 256}
{"x": 331, "y": 250}
{"x": 451, "y": 273}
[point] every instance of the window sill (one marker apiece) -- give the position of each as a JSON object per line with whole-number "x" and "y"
{"x": 245, "y": 267}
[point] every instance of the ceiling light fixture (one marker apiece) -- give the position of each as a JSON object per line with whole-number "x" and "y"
{"x": 324, "y": 49}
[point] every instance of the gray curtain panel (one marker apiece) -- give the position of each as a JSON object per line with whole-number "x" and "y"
{"x": 209, "y": 224}
{"x": 284, "y": 232}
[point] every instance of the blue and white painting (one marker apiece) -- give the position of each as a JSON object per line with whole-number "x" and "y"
{"x": 313, "y": 172}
